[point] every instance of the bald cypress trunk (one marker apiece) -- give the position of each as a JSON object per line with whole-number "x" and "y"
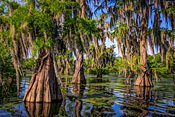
{"x": 143, "y": 77}
{"x": 17, "y": 81}
{"x": 43, "y": 86}
{"x": 62, "y": 66}
{"x": 78, "y": 76}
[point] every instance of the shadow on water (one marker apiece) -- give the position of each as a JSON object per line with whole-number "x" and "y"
{"x": 42, "y": 109}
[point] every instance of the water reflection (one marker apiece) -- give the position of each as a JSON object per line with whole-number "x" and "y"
{"x": 99, "y": 97}
{"x": 78, "y": 90}
{"x": 135, "y": 102}
{"x": 78, "y": 108}
{"x": 42, "y": 109}
{"x": 143, "y": 94}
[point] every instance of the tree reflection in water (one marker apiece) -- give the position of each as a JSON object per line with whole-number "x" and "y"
{"x": 42, "y": 109}
{"x": 136, "y": 105}
{"x": 78, "y": 90}
{"x": 143, "y": 94}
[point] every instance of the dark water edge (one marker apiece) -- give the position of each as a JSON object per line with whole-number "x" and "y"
{"x": 108, "y": 96}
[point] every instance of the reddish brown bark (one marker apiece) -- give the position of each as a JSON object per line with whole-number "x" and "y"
{"x": 78, "y": 76}
{"x": 43, "y": 86}
{"x": 143, "y": 77}
{"x": 62, "y": 66}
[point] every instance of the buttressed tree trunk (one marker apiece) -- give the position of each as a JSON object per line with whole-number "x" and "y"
{"x": 143, "y": 77}
{"x": 78, "y": 76}
{"x": 43, "y": 86}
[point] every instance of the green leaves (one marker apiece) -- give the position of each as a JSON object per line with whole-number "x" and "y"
{"x": 87, "y": 26}
{"x": 120, "y": 30}
{"x": 103, "y": 71}
{"x": 157, "y": 65}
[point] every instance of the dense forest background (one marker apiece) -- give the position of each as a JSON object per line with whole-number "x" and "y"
{"x": 73, "y": 34}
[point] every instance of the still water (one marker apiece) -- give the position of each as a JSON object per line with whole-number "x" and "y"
{"x": 108, "y": 96}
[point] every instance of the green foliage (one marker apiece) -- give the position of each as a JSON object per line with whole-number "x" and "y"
{"x": 87, "y": 26}
{"x": 120, "y": 30}
{"x": 101, "y": 101}
{"x": 103, "y": 71}
{"x": 6, "y": 66}
{"x": 170, "y": 9}
{"x": 29, "y": 64}
{"x": 157, "y": 65}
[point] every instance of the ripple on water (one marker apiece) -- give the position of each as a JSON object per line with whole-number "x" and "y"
{"x": 104, "y": 97}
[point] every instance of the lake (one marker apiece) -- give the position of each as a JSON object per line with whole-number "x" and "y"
{"x": 108, "y": 96}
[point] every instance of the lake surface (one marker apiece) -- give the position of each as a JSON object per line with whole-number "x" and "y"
{"x": 108, "y": 96}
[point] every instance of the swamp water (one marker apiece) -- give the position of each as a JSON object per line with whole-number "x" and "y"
{"x": 99, "y": 97}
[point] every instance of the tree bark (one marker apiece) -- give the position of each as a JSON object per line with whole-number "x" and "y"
{"x": 143, "y": 77}
{"x": 43, "y": 86}
{"x": 78, "y": 76}
{"x": 67, "y": 66}
{"x": 156, "y": 76}
{"x": 56, "y": 69}
{"x": 62, "y": 66}
{"x": 17, "y": 81}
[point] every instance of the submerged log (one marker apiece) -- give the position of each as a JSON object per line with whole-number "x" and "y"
{"x": 43, "y": 86}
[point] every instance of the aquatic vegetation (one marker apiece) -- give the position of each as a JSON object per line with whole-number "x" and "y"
{"x": 101, "y": 101}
